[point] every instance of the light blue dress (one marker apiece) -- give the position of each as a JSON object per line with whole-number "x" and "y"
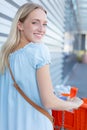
{"x": 15, "y": 112}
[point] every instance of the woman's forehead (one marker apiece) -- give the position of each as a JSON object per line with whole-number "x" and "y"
{"x": 38, "y": 14}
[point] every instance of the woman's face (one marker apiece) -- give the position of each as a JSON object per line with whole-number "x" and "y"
{"x": 34, "y": 27}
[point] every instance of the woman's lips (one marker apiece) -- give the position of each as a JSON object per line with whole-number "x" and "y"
{"x": 38, "y": 35}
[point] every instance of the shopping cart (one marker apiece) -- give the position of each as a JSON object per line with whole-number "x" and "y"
{"x": 75, "y": 120}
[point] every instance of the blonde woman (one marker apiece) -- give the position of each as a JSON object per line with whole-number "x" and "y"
{"x": 29, "y": 60}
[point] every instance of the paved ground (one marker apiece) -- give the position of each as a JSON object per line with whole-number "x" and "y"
{"x": 78, "y": 78}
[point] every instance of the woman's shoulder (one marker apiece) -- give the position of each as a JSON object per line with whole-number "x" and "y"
{"x": 37, "y": 48}
{"x": 41, "y": 46}
{"x": 40, "y": 55}
{"x": 38, "y": 45}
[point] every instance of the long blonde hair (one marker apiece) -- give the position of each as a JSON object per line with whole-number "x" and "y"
{"x": 14, "y": 35}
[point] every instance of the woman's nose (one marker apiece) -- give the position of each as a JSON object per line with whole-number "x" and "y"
{"x": 41, "y": 27}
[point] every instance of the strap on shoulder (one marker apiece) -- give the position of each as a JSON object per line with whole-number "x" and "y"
{"x": 29, "y": 100}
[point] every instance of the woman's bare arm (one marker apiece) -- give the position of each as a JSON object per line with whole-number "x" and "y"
{"x": 48, "y": 98}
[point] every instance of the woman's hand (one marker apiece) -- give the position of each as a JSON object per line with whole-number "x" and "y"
{"x": 76, "y": 101}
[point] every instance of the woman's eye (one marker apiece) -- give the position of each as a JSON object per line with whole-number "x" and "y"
{"x": 34, "y": 23}
{"x": 45, "y": 24}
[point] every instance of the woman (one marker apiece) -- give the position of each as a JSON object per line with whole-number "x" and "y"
{"x": 29, "y": 61}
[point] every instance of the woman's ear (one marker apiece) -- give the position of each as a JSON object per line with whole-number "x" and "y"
{"x": 20, "y": 25}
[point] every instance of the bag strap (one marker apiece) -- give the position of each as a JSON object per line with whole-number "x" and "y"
{"x": 29, "y": 100}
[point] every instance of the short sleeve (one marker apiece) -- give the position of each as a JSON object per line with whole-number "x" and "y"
{"x": 41, "y": 56}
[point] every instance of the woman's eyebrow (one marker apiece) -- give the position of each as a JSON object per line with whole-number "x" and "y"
{"x": 39, "y": 20}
